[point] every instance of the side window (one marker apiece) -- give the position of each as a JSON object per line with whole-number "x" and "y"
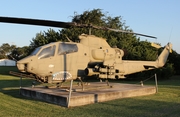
{"x": 65, "y": 48}
{"x": 47, "y": 52}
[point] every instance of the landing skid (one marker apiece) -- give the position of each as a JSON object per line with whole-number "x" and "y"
{"x": 78, "y": 86}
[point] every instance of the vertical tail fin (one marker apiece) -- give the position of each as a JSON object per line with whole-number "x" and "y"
{"x": 164, "y": 55}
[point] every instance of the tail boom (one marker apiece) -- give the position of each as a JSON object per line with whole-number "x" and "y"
{"x": 138, "y": 66}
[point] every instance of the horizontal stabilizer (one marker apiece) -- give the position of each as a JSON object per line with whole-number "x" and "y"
{"x": 148, "y": 66}
{"x": 155, "y": 45}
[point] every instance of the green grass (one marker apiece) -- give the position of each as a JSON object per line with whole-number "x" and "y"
{"x": 165, "y": 103}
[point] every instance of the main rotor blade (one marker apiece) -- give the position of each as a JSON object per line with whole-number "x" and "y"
{"x": 137, "y": 34}
{"x": 38, "y": 22}
{"x": 117, "y": 30}
{"x": 59, "y": 24}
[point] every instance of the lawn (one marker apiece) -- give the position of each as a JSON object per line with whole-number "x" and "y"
{"x": 165, "y": 103}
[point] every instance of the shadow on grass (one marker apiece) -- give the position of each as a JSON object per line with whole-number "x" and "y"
{"x": 6, "y": 69}
{"x": 11, "y": 86}
{"x": 132, "y": 107}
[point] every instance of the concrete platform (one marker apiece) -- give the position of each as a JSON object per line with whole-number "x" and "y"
{"x": 93, "y": 93}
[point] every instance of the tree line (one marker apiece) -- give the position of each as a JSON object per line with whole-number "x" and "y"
{"x": 134, "y": 48}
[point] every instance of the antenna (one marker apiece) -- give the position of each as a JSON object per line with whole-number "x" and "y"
{"x": 170, "y": 34}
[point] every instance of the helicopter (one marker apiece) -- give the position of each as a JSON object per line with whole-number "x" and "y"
{"x": 62, "y": 61}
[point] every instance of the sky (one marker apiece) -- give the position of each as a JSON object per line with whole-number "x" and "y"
{"x": 159, "y": 18}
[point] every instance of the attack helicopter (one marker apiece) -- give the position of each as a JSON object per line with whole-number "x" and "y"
{"x": 61, "y": 61}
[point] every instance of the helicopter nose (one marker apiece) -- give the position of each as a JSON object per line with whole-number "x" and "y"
{"x": 21, "y": 67}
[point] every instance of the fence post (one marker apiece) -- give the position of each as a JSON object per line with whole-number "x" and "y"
{"x": 156, "y": 83}
{"x": 69, "y": 97}
{"x": 20, "y": 85}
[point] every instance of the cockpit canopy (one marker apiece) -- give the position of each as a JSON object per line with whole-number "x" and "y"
{"x": 48, "y": 51}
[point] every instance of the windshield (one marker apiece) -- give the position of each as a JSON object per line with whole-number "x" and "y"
{"x": 47, "y": 52}
{"x": 35, "y": 51}
{"x": 65, "y": 48}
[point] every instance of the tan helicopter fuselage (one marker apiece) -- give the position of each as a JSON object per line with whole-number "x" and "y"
{"x": 59, "y": 61}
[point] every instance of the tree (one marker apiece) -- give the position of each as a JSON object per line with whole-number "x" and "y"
{"x": 174, "y": 59}
{"x": 130, "y": 43}
{"x": 136, "y": 50}
{"x": 20, "y": 52}
{"x": 43, "y": 38}
{"x": 5, "y": 50}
